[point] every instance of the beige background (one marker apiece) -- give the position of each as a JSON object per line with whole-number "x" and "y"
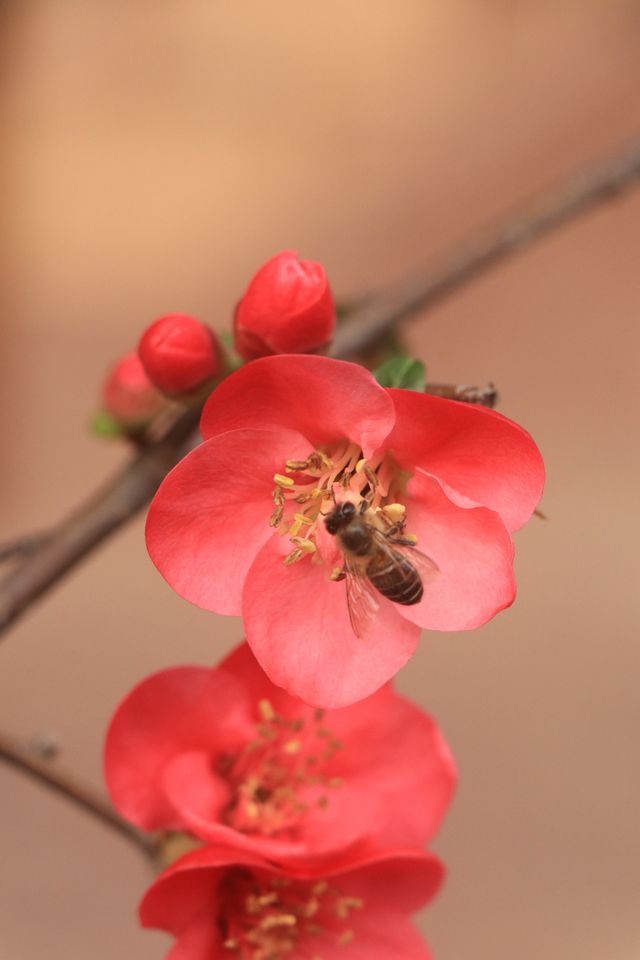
{"x": 154, "y": 154}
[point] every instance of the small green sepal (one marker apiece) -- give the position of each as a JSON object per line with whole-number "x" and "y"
{"x": 402, "y": 372}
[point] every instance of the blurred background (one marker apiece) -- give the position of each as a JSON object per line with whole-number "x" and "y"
{"x": 155, "y": 153}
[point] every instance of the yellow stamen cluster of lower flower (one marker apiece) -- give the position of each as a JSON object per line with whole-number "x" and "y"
{"x": 285, "y": 758}
{"x": 268, "y": 921}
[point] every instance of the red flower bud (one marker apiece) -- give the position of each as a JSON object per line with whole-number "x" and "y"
{"x": 128, "y": 395}
{"x": 288, "y": 308}
{"x": 179, "y": 354}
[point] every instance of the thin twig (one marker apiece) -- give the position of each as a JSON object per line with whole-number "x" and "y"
{"x": 22, "y": 546}
{"x": 120, "y": 499}
{"x": 83, "y": 796}
{"x": 134, "y": 485}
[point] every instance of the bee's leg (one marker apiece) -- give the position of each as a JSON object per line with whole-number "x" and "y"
{"x": 403, "y": 541}
{"x": 396, "y": 530}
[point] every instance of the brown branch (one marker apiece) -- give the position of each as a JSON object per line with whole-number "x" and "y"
{"x": 132, "y": 488}
{"x": 22, "y": 546}
{"x": 63, "y": 783}
{"x": 110, "y": 508}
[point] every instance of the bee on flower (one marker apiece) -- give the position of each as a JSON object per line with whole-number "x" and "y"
{"x": 252, "y": 522}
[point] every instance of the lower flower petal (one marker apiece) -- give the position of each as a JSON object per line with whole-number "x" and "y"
{"x": 170, "y": 712}
{"x": 387, "y": 937}
{"x": 474, "y": 552}
{"x": 201, "y": 941}
{"x": 298, "y": 627}
{"x": 210, "y": 515}
{"x": 194, "y": 789}
{"x": 396, "y": 777}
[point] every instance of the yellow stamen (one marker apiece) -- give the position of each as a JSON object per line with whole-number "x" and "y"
{"x": 411, "y": 536}
{"x": 276, "y": 517}
{"x": 266, "y": 710}
{"x": 394, "y": 511}
{"x": 293, "y": 557}
{"x": 283, "y": 481}
{"x": 346, "y": 937}
{"x": 307, "y": 546}
{"x": 360, "y": 464}
{"x": 345, "y": 904}
{"x": 278, "y": 920}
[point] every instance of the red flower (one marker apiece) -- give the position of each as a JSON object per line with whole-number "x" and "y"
{"x": 294, "y": 430}
{"x": 224, "y": 754}
{"x": 220, "y": 902}
{"x": 179, "y": 354}
{"x": 128, "y": 395}
{"x": 288, "y": 308}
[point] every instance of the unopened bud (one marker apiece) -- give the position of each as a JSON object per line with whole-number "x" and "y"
{"x": 180, "y": 354}
{"x": 129, "y": 397}
{"x": 288, "y": 308}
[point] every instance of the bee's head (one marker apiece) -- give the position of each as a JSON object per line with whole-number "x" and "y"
{"x": 340, "y": 516}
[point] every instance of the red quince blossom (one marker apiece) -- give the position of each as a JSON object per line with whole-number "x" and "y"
{"x": 179, "y": 354}
{"x": 128, "y": 395}
{"x": 288, "y": 308}
{"x": 224, "y": 754}
{"x": 221, "y": 903}
{"x": 237, "y": 527}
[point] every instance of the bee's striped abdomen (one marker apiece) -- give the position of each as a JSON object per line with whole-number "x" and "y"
{"x": 395, "y": 577}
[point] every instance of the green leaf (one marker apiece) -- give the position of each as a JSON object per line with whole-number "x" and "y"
{"x": 104, "y": 425}
{"x": 402, "y": 372}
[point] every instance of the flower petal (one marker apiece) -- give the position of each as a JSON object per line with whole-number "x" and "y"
{"x": 298, "y": 627}
{"x": 211, "y": 513}
{"x": 193, "y": 787}
{"x": 323, "y": 399}
{"x": 479, "y": 456}
{"x": 201, "y": 941}
{"x": 395, "y": 881}
{"x": 169, "y": 713}
{"x": 474, "y": 552}
{"x": 397, "y": 776}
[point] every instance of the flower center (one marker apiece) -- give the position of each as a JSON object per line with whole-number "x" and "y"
{"x": 306, "y": 491}
{"x": 280, "y": 774}
{"x": 266, "y": 918}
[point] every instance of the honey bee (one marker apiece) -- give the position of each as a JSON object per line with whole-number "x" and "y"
{"x": 376, "y": 560}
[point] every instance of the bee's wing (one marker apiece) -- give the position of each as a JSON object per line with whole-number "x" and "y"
{"x": 362, "y": 601}
{"x": 426, "y": 567}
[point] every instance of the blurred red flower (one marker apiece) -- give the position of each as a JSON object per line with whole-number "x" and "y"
{"x": 222, "y": 902}
{"x": 288, "y": 308}
{"x": 291, "y": 429}
{"x": 225, "y": 755}
{"x": 128, "y": 395}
